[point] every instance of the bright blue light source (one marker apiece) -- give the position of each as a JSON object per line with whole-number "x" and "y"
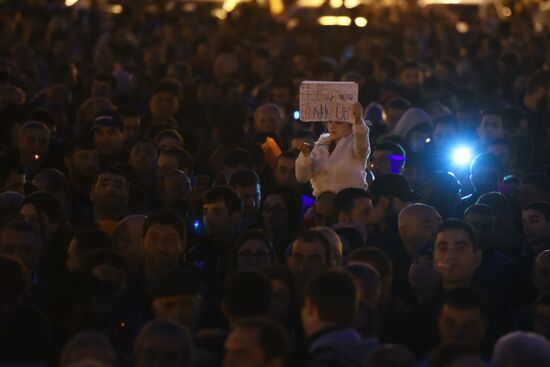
{"x": 462, "y": 156}
{"x": 196, "y": 225}
{"x": 296, "y": 114}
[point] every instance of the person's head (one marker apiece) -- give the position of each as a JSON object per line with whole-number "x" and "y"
{"x": 82, "y": 162}
{"x": 268, "y": 118}
{"x": 43, "y": 210}
{"x": 393, "y": 193}
{"x": 536, "y": 224}
{"x": 353, "y": 205}
{"x": 541, "y": 314}
{"x": 168, "y": 139}
{"x": 410, "y": 76}
{"x": 83, "y": 243}
{"x": 221, "y": 211}
{"x": 53, "y": 181}
{"x": 246, "y": 184}
{"x": 163, "y": 343}
{"x": 463, "y": 317}
{"x": 505, "y": 151}
{"x": 456, "y": 253}
{"x": 368, "y": 285}
{"x": 329, "y": 301}
{"x": 395, "y": 109}
{"x": 246, "y": 293}
{"x": 257, "y": 342}
{"x": 143, "y": 157}
{"x": 12, "y": 175}
{"x": 484, "y": 221}
{"x": 521, "y": 348}
{"x": 541, "y": 272}
{"x": 381, "y": 262}
{"x": 88, "y": 347}
{"x": 104, "y": 85}
{"x": 33, "y": 141}
{"x": 441, "y": 190}
{"x": 445, "y": 132}
{"x": 417, "y": 225}
{"x": 164, "y": 241}
{"x": 325, "y": 214}
{"x": 23, "y": 241}
{"x": 173, "y": 159}
{"x": 501, "y": 207}
{"x": 336, "y": 245}
{"x": 485, "y": 173}
{"x": 129, "y": 240}
{"x": 165, "y": 102}
{"x": 173, "y": 187}
{"x": 176, "y": 296}
{"x": 109, "y": 267}
{"x": 107, "y": 132}
{"x": 490, "y": 127}
{"x": 280, "y": 210}
{"x": 252, "y": 250}
{"x": 110, "y": 192}
{"x": 534, "y": 187}
{"x": 285, "y": 169}
{"x": 310, "y": 254}
{"x": 131, "y": 124}
{"x": 339, "y": 129}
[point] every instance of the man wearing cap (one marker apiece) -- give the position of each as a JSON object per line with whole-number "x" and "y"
{"x": 391, "y": 194}
{"x": 177, "y": 296}
{"x": 109, "y": 138}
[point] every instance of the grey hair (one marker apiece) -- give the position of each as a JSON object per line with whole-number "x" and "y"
{"x": 520, "y": 348}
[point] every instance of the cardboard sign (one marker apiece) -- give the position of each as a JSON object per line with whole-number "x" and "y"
{"x": 327, "y": 101}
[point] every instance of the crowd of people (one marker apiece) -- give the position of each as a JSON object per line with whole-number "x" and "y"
{"x": 161, "y": 203}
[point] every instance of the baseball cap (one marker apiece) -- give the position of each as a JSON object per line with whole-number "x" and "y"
{"x": 176, "y": 282}
{"x": 108, "y": 119}
{"x": 392, "y": 184}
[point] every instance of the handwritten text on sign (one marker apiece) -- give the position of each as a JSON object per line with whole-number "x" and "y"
{"x": 327, "y": 101}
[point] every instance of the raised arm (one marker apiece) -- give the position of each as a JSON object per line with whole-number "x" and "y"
{"x": 361, "y": 145}
{"x": 304, "y": 171}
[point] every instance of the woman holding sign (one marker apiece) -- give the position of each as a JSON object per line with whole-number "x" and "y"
{"x": 339, "y": 158}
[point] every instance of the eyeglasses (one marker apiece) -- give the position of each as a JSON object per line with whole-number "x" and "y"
{"x": 249, "y": 257}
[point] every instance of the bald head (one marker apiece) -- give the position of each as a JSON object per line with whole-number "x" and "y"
{"x": 541, "y": 272}
{"x": 129, "y": 240}
{"x": 268, "y": 118}
{"x": 417, "y": 225}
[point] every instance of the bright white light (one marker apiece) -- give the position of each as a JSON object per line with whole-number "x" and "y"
{"x": 351, "y": 3}
{"x": 361, "y": 21}
{"x": 336, "y": 3}
{"x": 428, "y": 140}
{"x": 462, "y": 27}
{"x": 462, "y": 156}
{"x": 329, "y": 20}
{"x": 70, "y": 2}
{"x": 219, "y": 13}
{"x": 116, "y": 9}
{"x": 296, "y": 115}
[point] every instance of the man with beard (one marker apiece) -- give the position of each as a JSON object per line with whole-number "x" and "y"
{"x": 110, "y": 197}
{"x": 109, "y": 138}
{"x": 82, "y": 164}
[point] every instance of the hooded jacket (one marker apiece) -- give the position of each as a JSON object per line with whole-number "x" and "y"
{"x": 344, "y": 168}
{"x": 412, "y": 118}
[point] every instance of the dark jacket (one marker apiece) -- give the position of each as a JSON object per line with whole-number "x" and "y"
{"x": 337, "y": 347}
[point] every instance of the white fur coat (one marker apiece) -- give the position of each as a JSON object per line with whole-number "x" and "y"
{"x": 345, "y": 167}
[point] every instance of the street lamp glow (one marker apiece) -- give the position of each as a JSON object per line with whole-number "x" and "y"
{"x": 361, "y": 21}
